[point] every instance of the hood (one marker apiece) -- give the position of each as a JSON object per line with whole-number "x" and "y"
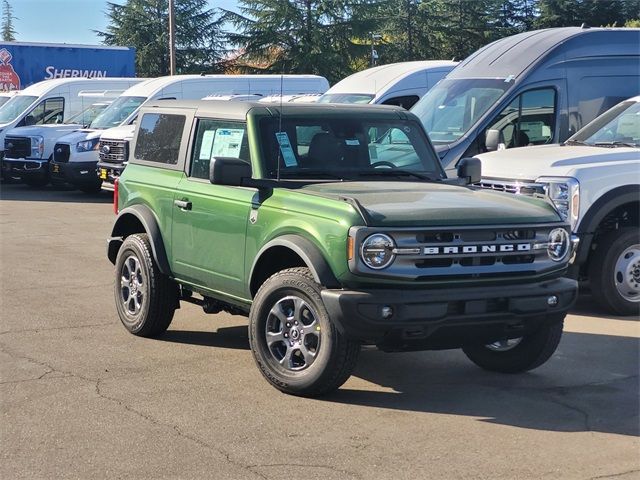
{"x": 79, "y": 136}
{"x": 420, "y": 204}
{"x": 529, "y": 163}
{"x": 49, "y": 130}
{"x": 122, "y": 132}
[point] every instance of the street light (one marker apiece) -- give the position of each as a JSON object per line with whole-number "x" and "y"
{"x": 374, "y": 54}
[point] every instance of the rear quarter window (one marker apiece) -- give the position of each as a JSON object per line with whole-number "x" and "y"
{"x": 159, "y": 137}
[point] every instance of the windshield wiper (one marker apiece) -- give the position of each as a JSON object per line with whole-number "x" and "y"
{"x": 615, "y": 144}
{"x": 578, "y": 142}
{"x": 309, "y": 174}
{"x": 395, "y": 172}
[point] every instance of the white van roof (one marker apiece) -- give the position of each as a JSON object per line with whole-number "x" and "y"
{"x": 374, "y": 80}
{"x": 150, "y": 87}
{"x": 45, "y": 86}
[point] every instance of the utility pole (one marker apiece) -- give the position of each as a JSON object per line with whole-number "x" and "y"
{"x": 374, "y": 54}
{"x": 172, "y": 40}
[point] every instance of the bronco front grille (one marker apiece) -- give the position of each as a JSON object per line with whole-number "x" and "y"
{"x": 113, "y": 151}
{"x": 17, "y": 147}
{"x": 463, "y": 252}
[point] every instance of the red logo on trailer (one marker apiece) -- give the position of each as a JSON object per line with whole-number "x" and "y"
{"x": 9, "y": 79}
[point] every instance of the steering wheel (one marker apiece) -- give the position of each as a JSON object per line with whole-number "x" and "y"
{"x": 383, "y": 163}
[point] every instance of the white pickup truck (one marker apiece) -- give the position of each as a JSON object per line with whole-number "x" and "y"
{"x": 594, "y": 181}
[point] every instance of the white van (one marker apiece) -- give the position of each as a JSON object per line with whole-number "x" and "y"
{"x": 75, "y": 155}
{"x": 401, "y": 84}
{"x": 54, "y": 101}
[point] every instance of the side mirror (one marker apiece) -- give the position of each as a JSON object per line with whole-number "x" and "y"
{"x": 228, "y": 171}
{"x": 470, "y": 170}
{"x": 493, "y": 140}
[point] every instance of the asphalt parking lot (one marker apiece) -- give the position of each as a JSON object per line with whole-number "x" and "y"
{"x": 82, "y": 398}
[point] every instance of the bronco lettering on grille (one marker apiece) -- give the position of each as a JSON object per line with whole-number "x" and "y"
{"x": 470, "y": 249}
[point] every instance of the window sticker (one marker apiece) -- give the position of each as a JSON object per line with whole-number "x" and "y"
{"x": 206, "y": 145}
{"x": 352, "y": 141}
{"x": 285, "y": 147}
{"x": 227, "y": 142}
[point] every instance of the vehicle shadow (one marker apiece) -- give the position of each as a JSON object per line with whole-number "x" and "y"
{"x": 51, "y": 193}
{"x": 227, "y": 337}
{"x": 591, "y": 384}
{"x": 587, "y": 307}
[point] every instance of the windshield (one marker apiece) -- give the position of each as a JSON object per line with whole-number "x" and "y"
{"x": 347, "y": 148}
{"x": 117, "y": 112}
{"x": 15, "y": 107}
{"x": 619, "y": 126}
{"x": 452, "y": 107}
{"x": 86, "y": 116}
{"x": 345, "y": 98}
{"x": 4, "y": 100}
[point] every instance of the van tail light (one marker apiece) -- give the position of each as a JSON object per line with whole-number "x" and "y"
{"x": 115, "y": 196}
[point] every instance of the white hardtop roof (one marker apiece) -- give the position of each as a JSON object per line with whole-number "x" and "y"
{"x": 45, "y": 86}
{"x": 374, "y": 79}
{"x": 148, "y": 88}
{"x": 634, "y": 99}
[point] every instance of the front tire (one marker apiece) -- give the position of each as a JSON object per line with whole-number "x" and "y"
{"x": 295, "y": 344}
{"x": 519, "y": 355}
{"x": 614, "y": 272}
{"x": 145, "y": 298}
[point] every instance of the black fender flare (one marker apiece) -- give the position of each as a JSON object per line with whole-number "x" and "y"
{"x": 600, "y": 209}
{"x": 307, "y": 251}
{"x": 150, "y": 224}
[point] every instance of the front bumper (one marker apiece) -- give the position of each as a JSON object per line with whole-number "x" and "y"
{"x": 448, "y": 318}
{"x": 76, "y": 173}
{"x": 109, "y": 171}
{"x": 25, "y": 167}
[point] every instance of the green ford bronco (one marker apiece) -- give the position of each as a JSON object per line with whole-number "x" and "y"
{"x": 331, "y": 227}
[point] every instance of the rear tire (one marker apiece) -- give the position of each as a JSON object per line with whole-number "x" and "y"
{"x": 614, "y": 272}
{"x": 530, "y": 352}
{"x": 295, "y": 344}
{"x": 145, "y": 298}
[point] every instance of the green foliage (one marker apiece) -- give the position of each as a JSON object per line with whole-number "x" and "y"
{"x": 8, "y": 32}
{"x": 144, "y": 24}
{"x": 595, "y": 13}
{"x": 300, "y": 36}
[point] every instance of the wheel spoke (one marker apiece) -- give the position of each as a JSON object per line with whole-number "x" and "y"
{"x": 277, "y": 312}
{"x": 308, "y": 356}
{"x": 299, "y": 306}
{"x": 286, "y": 360}
{"x": 276, "y": 337}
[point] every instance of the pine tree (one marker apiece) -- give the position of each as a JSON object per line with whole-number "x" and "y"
{"x": 144, "y": 24}
{"x": 8, "y": 32}
{"x": 322, "y": 37}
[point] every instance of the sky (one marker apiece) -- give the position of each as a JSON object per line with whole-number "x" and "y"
{"x": 69, "y": 21}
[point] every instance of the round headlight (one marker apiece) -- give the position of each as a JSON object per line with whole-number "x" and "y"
{"x": 558, "y": 244}
{"x": 377, "y": 251}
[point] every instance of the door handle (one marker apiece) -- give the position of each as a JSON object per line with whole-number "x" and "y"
{"x": 182, "y": 204}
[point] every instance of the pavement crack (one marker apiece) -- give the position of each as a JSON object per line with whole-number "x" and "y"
{"x": 175, "y": 429}
{"x": 613, "y": 475}
{"x": 71, "y": 327}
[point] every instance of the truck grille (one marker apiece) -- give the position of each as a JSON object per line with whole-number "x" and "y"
{"x": 517, "y": 187}
{"x": 465, "y": 252}
{"x": 113, "y": 151}
{"x": 17, "y": 147}
{"x": 61, "y": 152}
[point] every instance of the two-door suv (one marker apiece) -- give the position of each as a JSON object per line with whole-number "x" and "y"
{"x": 331, "y": 226}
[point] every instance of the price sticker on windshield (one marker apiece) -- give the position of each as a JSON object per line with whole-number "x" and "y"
{"x": 285, "y": 148}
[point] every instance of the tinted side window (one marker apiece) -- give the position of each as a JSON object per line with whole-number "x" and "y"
{"x": 159, "y": 138}
{"x": 49, "y": 111}
{"x": 215, "y": 138}
{"x": 528, "y": 120}
{"x": 405, "y": 102}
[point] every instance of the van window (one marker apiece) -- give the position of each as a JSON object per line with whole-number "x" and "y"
{"x": 528, "y": 120}
{"x": 49, "y": 111}
{"x": 218, "y": 139}
{"x": 406, "y": 101}
{"x": 599, "y": 94}
{"x": 159, "y": 138}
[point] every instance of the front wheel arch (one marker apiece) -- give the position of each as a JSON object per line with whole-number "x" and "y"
{"x": 138, "y": 219}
